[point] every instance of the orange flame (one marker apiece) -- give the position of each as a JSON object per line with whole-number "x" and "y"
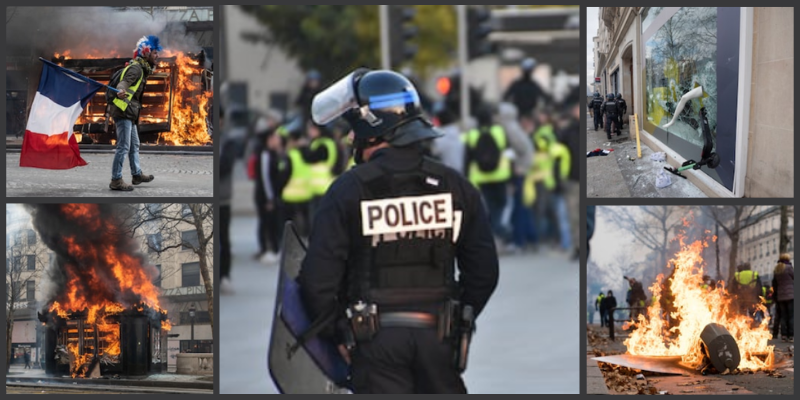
{"x": 697, "y": 306}
{"x": 189, "y": 104}
{"x": 95, "y": 294}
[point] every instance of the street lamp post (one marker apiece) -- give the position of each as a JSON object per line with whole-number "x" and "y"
{"x": 191, "y": 315}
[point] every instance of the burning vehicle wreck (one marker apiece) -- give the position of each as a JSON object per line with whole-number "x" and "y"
{"x": 103, "y": 316}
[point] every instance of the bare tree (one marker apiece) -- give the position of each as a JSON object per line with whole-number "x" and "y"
{"x": 735, "y": 219}
{"x": 24, "y": 263}
{"x": 10, "y": 11}
{"x": 786, "y": 213}
{"x": 169, "y": 220}
{"x": 650, "y": 226}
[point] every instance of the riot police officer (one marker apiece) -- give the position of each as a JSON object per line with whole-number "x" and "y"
{"x": 611, "y": 110}
{"x": 623, "y": 109}
{"x": 596, "y": 104}
{"x": 385, "y": 240}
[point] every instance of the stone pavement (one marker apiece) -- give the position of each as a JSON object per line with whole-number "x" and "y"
{"x": 526, "y": 341}
{"x": 175, "y": 176}
{"x": 616, "y": 175}
{"x": 36, "y": 381}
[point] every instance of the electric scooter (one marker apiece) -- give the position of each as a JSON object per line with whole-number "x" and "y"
{"x": 707, "y": 157}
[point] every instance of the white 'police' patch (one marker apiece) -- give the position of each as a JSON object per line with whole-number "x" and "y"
{"x": 406, "y": 214}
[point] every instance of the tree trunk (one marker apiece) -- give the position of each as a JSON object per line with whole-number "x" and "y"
{"x": 716, "y": 248}
{"x": 734, "y": 235}
{"x": 203, "y": 240}
{"x": 208, "y": 285}
{"x": 784, "y": 244}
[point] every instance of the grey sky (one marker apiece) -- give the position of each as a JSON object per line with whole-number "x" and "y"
{"x": 591, "y": 32}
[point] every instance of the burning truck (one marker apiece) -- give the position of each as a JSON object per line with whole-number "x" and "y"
{"x": 103, "y": 315}
{"x": 176, "y": 106}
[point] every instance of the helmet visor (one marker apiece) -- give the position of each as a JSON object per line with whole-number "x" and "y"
{"x": 334, "y": 101}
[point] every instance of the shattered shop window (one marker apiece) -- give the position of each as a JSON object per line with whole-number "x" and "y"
{"x": 649, "y": 14}
{"x": 679, "y": 57}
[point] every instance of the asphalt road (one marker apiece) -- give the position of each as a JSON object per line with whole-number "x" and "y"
{"x": 527, "y": 338}
{"x": 175, "y": 176}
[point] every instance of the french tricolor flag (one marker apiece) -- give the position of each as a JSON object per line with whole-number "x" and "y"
{"x": 59, "y": 101}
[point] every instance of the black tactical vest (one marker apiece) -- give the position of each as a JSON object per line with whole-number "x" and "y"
{"x": 597, "y": 103}
{"x": 611, "y": 107}
{"x": 403, "y": 268}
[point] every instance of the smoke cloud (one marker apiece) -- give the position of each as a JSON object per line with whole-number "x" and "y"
{"x": 96, "y": 260}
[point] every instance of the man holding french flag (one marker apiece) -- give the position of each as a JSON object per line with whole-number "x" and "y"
{"x": 59, "y": 101}
{"x": 61, "y": 97}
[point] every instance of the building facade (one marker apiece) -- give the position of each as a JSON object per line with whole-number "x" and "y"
{"x": 742, "y": 58}
{"x": 182, "y": 288}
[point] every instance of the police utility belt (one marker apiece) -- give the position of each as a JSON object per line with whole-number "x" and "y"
{"x": 454, "y": 323}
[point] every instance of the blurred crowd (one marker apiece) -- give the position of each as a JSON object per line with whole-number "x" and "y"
{"x": 521, "y": 153}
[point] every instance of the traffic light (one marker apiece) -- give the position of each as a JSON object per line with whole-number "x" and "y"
{"x": 401, "y": 34}
{"x": 479, "y": 27}
{"x": 443, "y": 85}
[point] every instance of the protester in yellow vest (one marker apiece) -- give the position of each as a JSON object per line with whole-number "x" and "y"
{"x": 489, "y": 166}
{"x": 297, "y": 193}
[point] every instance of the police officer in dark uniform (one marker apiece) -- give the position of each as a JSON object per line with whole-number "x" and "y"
{"x": 611, "y": 111}
{"x": 623, "y": 109}
{"x": 597, "y": 110}
{"x": 385, "y": 241}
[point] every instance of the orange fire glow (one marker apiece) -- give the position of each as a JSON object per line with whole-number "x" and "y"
{"x": 697, "y": 306}
{"x": 188, "y": 104}
{"x": 93, "y": 294}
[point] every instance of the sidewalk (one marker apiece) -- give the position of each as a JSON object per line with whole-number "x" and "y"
{"x": 616, "y": 175}
{"x": 19, "y": 376}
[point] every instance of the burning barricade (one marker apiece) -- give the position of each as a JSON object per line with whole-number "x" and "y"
{"x": 176, "y": 106}
{"x": 103, "y": 315}
{"x": 702, "y": 325}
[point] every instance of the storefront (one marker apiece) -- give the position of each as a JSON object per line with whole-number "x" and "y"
{"x": 683, "y": 48}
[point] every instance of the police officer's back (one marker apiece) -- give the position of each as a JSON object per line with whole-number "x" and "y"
{"x": 611, "y": 110}
{"x": 622, "y": 105}
{"x": 385, "y": 240}
{"x": 597, "y": 111}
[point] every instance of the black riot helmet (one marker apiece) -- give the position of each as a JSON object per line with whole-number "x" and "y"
{"x": 597, "y": 94}
{"x": 619, "y": 95}
{"x": 378, "y": 104}
{"x": 610, "y": 96}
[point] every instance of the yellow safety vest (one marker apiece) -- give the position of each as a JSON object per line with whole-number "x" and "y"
{"x": 123, "y": 104}
{"x": 297, "y": 190}
{"x": 558, "y": 151}
{"x": 322, "y": 172}
{"x": 746, "y": 278}
{"x": 503, "y": 171}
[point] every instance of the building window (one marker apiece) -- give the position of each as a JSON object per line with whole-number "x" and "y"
{"x": 18, "y": 238}
{"x": 189, "y": 239}
{"x": 200, "y": 317}
{"x": 154, "y": 242}
{"x": 680, "y": 55}
{"x": 190, "y": 274}
{"x": 197, "y": 346}
{"x": 30, "y": 262}
{"x": 30, "y": 289}
{"x": 157, "y": 279}
{"x": 186, "y": 211}
{"x": 17, "y": 264}
{"x": 31, "y": 237}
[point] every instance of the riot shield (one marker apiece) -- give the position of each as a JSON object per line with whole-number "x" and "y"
{"x": 315, "y": 366}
